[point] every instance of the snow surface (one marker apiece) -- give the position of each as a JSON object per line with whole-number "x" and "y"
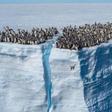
{"x": 59, "y": 15}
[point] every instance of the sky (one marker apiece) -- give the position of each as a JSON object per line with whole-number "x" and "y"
{"x": 55, "y": 1}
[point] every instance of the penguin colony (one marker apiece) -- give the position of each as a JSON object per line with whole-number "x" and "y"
{"x": 21, "y": 36}
{"x": 73, "y": 37}
{"x": 84, "y": 36}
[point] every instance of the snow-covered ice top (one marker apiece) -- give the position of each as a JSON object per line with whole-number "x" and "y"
{"x": 44, "y": 15}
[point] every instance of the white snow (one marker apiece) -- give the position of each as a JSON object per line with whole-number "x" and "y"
{"x": 44, "y": 15}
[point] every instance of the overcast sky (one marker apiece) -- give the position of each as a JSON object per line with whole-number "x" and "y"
{"x": 55, "y": 1}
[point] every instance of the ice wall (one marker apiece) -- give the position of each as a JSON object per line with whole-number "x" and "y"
{"x": 96, "y": 73}
{"x": 88, "y": 82}
{"x": 21, "y": 79}
{"x": 67, "y": 93}
{"x": 46, "y": 79}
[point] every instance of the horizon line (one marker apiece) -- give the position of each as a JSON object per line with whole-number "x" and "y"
{"x": 59, "y": 3}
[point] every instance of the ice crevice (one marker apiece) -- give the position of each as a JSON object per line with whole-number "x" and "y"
{"x": 46, "y": 51}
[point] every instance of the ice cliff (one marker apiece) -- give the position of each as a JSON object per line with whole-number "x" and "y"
{"x": 46, "y": 79}
{"x": 96, "y": 73}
